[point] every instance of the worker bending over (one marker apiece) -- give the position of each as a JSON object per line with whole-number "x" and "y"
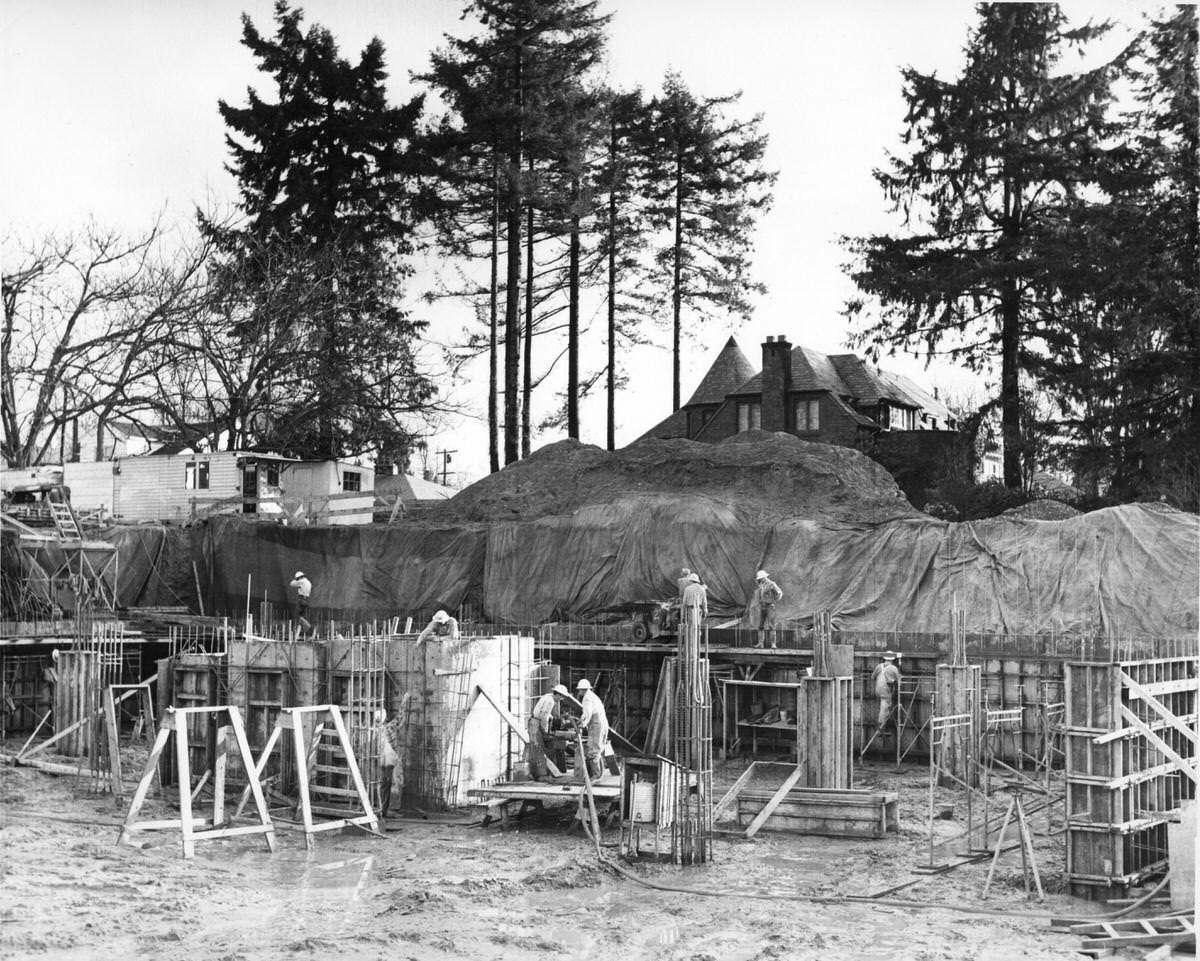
{"x": 538, "y": 726}
{"x": 886, "y": 681}
{"x": 595, "y": 721}
{"x": 442, "y": 625}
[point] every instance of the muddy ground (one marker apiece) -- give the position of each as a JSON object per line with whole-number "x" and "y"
{"x": 455, "y": 889}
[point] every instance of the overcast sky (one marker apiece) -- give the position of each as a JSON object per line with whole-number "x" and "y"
{"x": 110, "y": 111}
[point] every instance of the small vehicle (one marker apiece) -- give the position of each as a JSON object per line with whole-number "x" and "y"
{"x": 653, "y": 619}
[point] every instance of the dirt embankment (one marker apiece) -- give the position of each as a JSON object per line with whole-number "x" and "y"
{"x": 772, "y": 472}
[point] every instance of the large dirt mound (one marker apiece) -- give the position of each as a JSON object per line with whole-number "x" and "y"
{"x": 777, "y": 474}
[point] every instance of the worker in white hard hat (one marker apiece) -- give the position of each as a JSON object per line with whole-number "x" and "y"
{"x": 303, "y": 588}
{"x": 595, "y": 721}
{"x": 886, "y": 681}
{"x": 442, "y": 625}
{"x": 693, "y": 604}
{"x": 766, "y": 595}
{"x": 682, "y": 581}
{"x": 545, "y": 711}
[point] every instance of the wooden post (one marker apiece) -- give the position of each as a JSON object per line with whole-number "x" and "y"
{"x": 824, "y": 718}
{"x": 114, "y": 742}
{"x": 958, "y": 692}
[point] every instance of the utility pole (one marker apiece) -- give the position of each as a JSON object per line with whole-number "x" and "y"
{"x": 445, "y": 456}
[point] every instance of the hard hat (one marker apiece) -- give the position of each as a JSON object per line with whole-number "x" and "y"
{"x": 441, "y": 617}
{"x": 380, "y": 716}
{"x": 760, "y": 575}
{"x": 299, "y": 574}
{"x": 889, "y": 655}
{"x": 561, "y": 689}
{"x": 584, "y": 685}
{"x": 694, "y": 578}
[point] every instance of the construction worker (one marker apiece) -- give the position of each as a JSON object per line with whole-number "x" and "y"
{"x": 442, "y": 625}
{"x": 766, "y": 595}
{"x": 682, "y": 581}
{"x": 693, "y": 604}
{"x": 595, "y": 721}
{"x": 303, "y": 588}
{"x": 538, "y": 726}
{"x": 388, "y": 761}
{"x": 886, "y": 681}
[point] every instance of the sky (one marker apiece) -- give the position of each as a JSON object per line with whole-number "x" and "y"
{"x": 110, "y": 113}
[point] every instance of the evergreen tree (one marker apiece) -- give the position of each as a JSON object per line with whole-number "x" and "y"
{"x": 704, "y": 186}
{"x": 1127, "y": 369}
{"x": 995, "y": 155}
{"x": 528, "y": 50}
{"x": 326, "y": 169}
{"x": 620, "y": 233}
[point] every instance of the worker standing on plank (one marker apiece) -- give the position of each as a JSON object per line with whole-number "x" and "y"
{"x": 886, "y": 681}
{"x": 682, "y": 581}
{"x": 442, "y": 625}
{"x": 538, "y": 726}
{"x": 766, "y": 595}
{"x": 595, "y": 721}
{"x": 389, "y": 759}
{"x": 693, "y": 605}
{"x": 303, "y": 588}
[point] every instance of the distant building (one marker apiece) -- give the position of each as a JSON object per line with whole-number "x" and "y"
{"x": 177, "y": 486}
{"x": 831, "y": 399}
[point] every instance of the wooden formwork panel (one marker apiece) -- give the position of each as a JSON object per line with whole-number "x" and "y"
{"x": 849, "y": 813}
{"x": 1121, "y": 787}
{"x": 76, "y": 698}
{"x": 824, "y": 715}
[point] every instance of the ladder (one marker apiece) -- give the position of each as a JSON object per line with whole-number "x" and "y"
{"x": 64, "y": 520}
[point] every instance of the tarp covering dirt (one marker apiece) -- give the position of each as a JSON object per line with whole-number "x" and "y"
{"x": 155, "y": 568}
{"x": 574, "y": 532}
{"x": 358, "y": 573}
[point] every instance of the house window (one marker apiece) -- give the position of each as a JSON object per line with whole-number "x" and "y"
{"x": 195, "y": 475}
{"x": 749, "y": 416}
{"x": 272, "y": 475}
{"x": 351, "y": 481}
{"x": 807, "y": 416}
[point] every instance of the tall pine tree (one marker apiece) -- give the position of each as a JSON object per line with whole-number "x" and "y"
{"x": 325, "y": 168}
{"x": 1128, "y": 369}
{"x": 993, "y": 157}
{"x": 704, "y": 186}
{"x": 527, "y": 50}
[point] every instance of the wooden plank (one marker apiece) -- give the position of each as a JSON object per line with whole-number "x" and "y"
{"x": 732, "y": 793}
{"x": 512, "y": 722}
{"x": 774, "y": 802}
{"x": 1168, "y": 716}
{"x": 114, "y": 743}
{"x": 1187, "y": 768}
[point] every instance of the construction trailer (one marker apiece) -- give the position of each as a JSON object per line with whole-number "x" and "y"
{"x": 175, "y": 487}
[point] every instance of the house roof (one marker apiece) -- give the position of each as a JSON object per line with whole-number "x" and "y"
{"x": 410, "y": 487}
{"x": 728, "y": 371}
{"x": 811, "y": 370}
{"x": 673, "y": 425}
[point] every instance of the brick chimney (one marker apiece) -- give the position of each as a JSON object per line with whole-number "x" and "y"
{"x": 776, "y": 382}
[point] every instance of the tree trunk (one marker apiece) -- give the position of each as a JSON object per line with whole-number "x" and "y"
{"x": 493, "y": 311}
{"x": 1010, "y": 385}
{"x": 512, "y": 303}
{"x": 612, "y": 290}
{"x": 573, "y": 318}
{"x": 527, "y": 373}
{"x": 677, "y": 279}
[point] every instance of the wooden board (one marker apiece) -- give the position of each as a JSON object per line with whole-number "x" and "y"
{"x": 828, "y": 813}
